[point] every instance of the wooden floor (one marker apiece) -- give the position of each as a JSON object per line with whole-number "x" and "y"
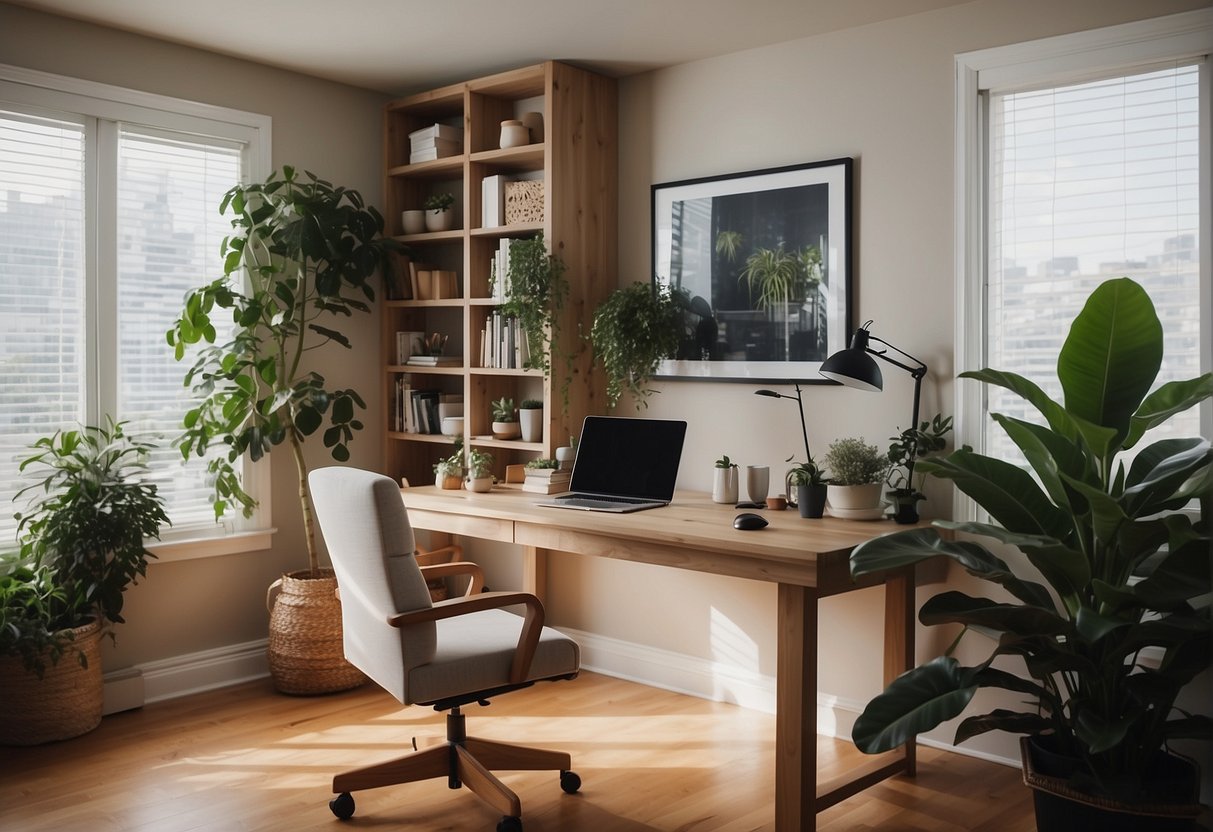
{"x": 245, "y": 758}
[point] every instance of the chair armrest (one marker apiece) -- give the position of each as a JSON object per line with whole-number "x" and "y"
{"x": 528, "y": 639}
{"x": 462, "y": 567}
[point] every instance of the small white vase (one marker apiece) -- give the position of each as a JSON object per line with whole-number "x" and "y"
{"x": 439, "y": 220}
{"x": 413, "y": 221}
{"x": 724, "y": 485}
{"x": 566, "y": 455}
{"x": 531, "y": 420}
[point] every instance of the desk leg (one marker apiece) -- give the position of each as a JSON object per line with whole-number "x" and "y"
{"x": 535, "y": 571}
{"x": 796, "y": 711}
{"x": 899, "y": 638}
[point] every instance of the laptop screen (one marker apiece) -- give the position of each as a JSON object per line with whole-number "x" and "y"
{"x": 628, "y": 457}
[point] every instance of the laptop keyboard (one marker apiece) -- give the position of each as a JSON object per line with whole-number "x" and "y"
{"x": 599, "y": 502}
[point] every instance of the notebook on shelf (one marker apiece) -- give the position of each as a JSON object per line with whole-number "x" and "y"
{"x": 624, "y": 464}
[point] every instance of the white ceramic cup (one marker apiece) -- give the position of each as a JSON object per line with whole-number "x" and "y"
{"x": 757, "y": 482}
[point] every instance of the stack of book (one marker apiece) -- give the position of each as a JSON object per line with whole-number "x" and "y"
{"x": 435, "y": 361}
{"x": 435, "y": 142}
{"x": 416, "y": 411}
{"x": 503, "y": 344}
{"x": 546, "y": 480}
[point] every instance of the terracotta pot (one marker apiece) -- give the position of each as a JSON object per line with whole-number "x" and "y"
{"x": 64, "y": 703}
{"x": 306, "y": 652}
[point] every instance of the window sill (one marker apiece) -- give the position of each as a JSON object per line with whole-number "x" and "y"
{"x": 193, "y": 548}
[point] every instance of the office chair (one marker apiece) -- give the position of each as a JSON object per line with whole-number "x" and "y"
{"x": 447, "y": 654}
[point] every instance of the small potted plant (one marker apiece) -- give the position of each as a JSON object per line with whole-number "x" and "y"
{"x": 810, "y": 483}
{"x": 724, "y": 484}
{"x": 480, "y": 470}
{"x": 634, "y": 329}
{"x": 566, "y": 455}
{"x": 448, "y": 471}
{"x": 505, "y": 422}
{"x": 857, "y": 471}
{"x": 530, "y": 416}
{"x": 912, "y": 444}
{"x": 439, "y": 211}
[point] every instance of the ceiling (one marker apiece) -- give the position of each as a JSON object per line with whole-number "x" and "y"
{"x": 401, "y": 46}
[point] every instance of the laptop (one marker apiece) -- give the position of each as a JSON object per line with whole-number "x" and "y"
{"x": 624, "y": 464}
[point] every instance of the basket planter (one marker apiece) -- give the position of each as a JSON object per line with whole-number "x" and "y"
{"x": 306, "y": 654}
{"x": 1062, "y": 808}
{"x": 64, "y": 703}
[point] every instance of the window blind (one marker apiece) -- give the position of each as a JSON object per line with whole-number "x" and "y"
{"x": 43, "y": 360}
{"x": 1086, "y": 182}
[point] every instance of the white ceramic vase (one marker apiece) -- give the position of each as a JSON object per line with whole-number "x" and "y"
{"x": 854, "y": 497}
{"x": 439, "y": 220}
{"x": 724, "y": 485}
{"x": 413, "y": 221}
{"x": 531, "y": 420}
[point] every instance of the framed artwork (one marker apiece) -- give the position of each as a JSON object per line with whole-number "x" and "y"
{"x": 761, "y": 263}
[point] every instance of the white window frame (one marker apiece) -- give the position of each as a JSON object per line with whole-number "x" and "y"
{"x": 1053, "y": 61}
{"x": 61, "y": 94}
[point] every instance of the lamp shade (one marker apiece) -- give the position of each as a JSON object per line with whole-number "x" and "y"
{"x": 853, "y": 366}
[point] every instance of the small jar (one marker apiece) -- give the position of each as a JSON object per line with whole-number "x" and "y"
{"x": 514, "y": 133}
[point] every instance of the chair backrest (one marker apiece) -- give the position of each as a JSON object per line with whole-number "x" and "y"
{"x": 366, "y": 528}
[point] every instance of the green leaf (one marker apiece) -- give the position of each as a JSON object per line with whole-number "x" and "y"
{"x": 1159, "y": 470}
{"x": 1000, "y": 719}
{"x": 1066, "y": 569}
{"x": 1169, "y": 399}
{"x": 307, "y": 420}
{"x": 958, "y": 608}
{"x": 915, "y": 702}
{"x": 1111, "y": 356}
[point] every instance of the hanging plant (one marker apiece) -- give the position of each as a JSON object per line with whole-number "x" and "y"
{"x": 537, "y": 290}
{"x": 634, "y": 329}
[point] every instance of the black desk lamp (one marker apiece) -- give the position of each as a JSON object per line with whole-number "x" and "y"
{"x": 854, "y": 367}
{"x": 803, "y": 431}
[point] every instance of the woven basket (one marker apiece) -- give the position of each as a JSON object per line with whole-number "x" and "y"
{"x": 64, "y": 703}
{"x": 306, "y": 654}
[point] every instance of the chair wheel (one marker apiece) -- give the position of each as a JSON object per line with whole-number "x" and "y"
{"x": 509, "y": 823}
{"x": 343, "y": 806}
{"x": 570, "y": 781}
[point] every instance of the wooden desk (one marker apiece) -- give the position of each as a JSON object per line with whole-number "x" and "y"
{"x": 806, "y": 558}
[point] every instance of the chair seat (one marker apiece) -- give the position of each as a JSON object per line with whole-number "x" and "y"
{"x": 474, "y": 652}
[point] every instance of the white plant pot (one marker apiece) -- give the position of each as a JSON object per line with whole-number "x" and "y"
{"x": 413, "y": 221}
{"x": 854, "y": 497}
{"x": 724, "y": 485}
{"x": 532, "y": 424}
{"x": 439, "y": 220}
{"x": 480, "y": 484}
{"x": 566, "y": 455}
{"x": 506, "y": 430}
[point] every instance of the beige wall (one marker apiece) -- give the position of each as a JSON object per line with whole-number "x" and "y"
{"x": 331, "y": 129}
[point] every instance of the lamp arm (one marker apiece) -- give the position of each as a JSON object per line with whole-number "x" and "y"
{"x": 917, "y": 371}
{"x": 803, "y": 430}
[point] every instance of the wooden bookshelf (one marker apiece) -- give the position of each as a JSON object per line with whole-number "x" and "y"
{"x": 577, "y": 160}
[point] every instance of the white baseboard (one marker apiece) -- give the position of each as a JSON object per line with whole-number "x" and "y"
{"x": 210, "y": 669}
{"x": 723, "y": 683}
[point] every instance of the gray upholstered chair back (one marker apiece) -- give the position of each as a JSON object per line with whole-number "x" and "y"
{"x": 366, "y": 528}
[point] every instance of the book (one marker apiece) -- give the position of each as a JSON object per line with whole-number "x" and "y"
{"x": 408, "y": 344}
{"x": 544, "y": 486}
{"x": 435, "y": 361}
{"x": 437, "y": 131}
{"x": 492, "y": 201}
{"x": 552, "y": 474}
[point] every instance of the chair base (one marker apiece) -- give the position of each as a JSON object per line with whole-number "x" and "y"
{"x": 464, "y": 761}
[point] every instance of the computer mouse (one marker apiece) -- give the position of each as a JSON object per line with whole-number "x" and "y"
{"x": 748, "y": 521}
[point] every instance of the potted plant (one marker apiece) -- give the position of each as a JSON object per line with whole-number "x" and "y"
{"x": 448, "y": 471}
{"x": 810, "y": 483}
{"x": 634, "y": 329}
{"x": 566, "y": 455}
{"x": 530, "y": 416}
{"x": 480, "y": 470}
{"x": 505, "y": 422}
{"x": 309, "y": 250}
{"x": 930, "y": 437}
{"x": 439, "y": 211}
{"x": 724, "y": 484}
{"x": 82, "y": 544}
{"x": 857, "y": 471}
{"x": 1122, "y": 546}
{"x": 537, "y": 290}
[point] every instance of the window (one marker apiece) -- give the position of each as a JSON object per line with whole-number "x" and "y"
{"x": 1083, "y": 158}
{"x": 109, "y": 215}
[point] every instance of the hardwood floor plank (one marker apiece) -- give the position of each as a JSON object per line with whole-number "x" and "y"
{"x": 246, "y": 758}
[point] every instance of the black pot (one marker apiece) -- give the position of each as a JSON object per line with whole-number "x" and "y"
{"x": 811, "y": 500}
{"x": 1062, "y": 808}
{"x": 905, "y": 507}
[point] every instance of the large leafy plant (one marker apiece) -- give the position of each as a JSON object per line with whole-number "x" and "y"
{"x": 82, "y": 538}
{"x": 308, "y": 251}
{"x": 634, "y": 329}
{"x": 1125, "y": 565}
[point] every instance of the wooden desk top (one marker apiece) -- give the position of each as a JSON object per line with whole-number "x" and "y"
{"x": 691, "y": 533}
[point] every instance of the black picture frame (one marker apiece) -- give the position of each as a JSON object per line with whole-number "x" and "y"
{"x": 727, "y": 245}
